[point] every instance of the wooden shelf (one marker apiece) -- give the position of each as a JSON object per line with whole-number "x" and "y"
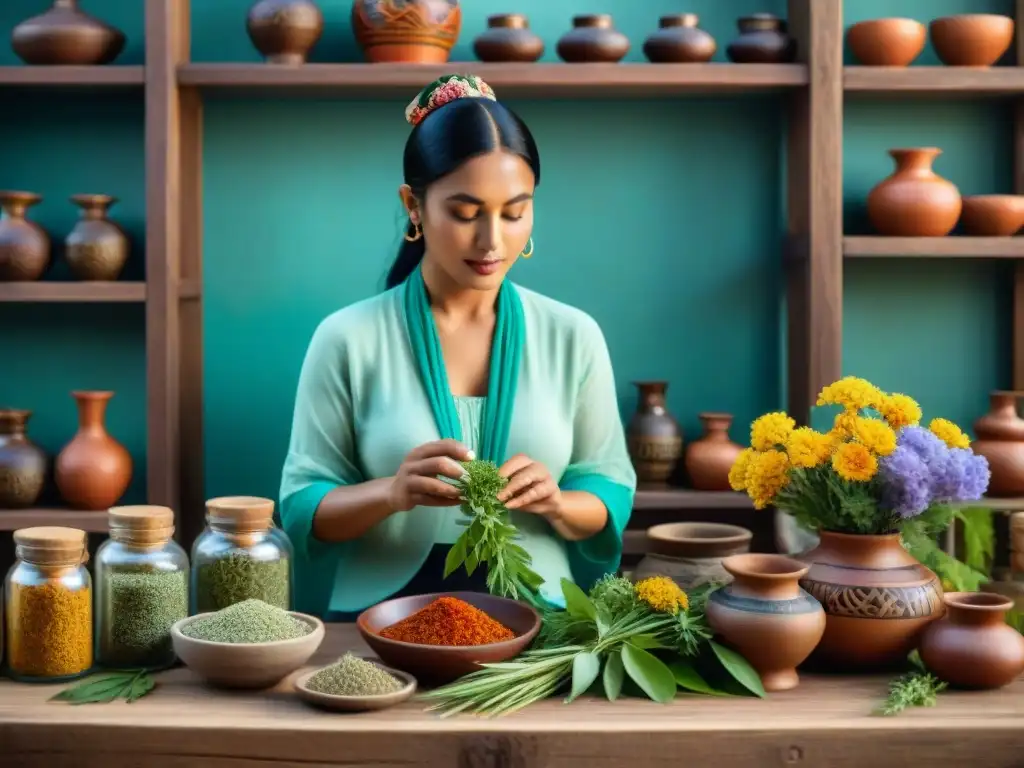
{"x": 684, "y": 498}
{"x": 78, "y": 77}
{"x": 86, "y": 292}
{"x": 89, "y": 521}
{"x": 535, "y": 80}
{"x": 961, "y": 82}
{"x": 934, "y": 247}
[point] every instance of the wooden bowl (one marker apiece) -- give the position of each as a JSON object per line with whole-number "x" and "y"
{"x": 439, "y": 664}
{"x": 356, "y": 703}
{"x": 971, "y": 39}
{"x": 992, "y": 215}
{"x": 887, "y": 42}
{"x": 246, "y": 665}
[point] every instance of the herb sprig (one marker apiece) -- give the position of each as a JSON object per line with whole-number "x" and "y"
{"x": 130, "y": 685}
{"x": 916, "y": 688}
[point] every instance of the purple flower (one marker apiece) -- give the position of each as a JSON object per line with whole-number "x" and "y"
{"x": 906, "y": 482}
{"x": 962, "y": 476}
{"x": 924, "y": 443}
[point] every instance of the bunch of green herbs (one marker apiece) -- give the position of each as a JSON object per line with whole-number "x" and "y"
{"x": 915, "y": 688}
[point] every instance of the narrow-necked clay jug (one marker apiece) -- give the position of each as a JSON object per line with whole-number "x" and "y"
{"x": 1000, "y": 439}
{"x": 66, "y": 35}
{"x": 973, "y": 646}
{"x": 410, "y": 31}
{"x": 95, "y": 248}
{"x": 22, "y": 462}
{"x": 710, "y": 457}
{"x": 678, "y": 39}
{"x": 766, "y": 616}
{"x": 284, "y": 31}
{"x": 655, "y": 438}
{"x": 508, "y": 38}
{"x": 914, "y": 201}
{"x": 593, "y": 38}
{"x": 24, "y": 245}
{"x": 94, "y": 469}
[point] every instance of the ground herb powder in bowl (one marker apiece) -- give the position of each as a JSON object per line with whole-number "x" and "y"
{"x": 250, "y": 621}
{"x": 448, "y": 621}
{"x": 353, "y": 676}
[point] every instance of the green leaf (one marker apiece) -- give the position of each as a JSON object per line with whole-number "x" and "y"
{"x": 647, "y": 641}
{"x": 106, "y": 687}
{"x": 576, "y": 601}
{"x": 739, "y": 668}
{"x": 649, "y": 672}
{"x": 472, "y": 561}
{"x": 614, "y": 676}
{"x": 689, "y": 679}
{"x": 585, "y": 667}
{"x": 456, "y": 555}
{"x": 142, "y": 685}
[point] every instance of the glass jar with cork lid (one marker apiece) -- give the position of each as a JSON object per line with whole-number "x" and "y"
{"x": 141, "y": 588}
{"x": 240, "y": 555}
{"x": 48, "y": 606}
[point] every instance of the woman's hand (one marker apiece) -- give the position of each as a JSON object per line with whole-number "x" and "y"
{"x": 531, "y": 488}
{"x": 416, "y": 483}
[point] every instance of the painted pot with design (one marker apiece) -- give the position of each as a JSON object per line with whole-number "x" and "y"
{"x": 23, "y": 464}
{"x": 410, "y": 31}
{"x": 654, "y": 437}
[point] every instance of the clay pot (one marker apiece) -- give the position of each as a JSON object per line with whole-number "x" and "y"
{"x": 93, "y": 470}
{"x": 284, "y": 31}
{"x": 877, "y": 599}
{"x": 654, "y": 437}
{"x": 411, "y": 31}
{"x": 508, "y": 38}
{"x": 914, "y": 201}
{"x": 1000, "y": 439}
{"x": 763, "y": 39}
{"x": 710, "y": 457}
{"x": 593, "y": 38}
{"x": 767, "y": 617}
{"x": 992, "y": 215}
{"x": 971, "y": 39}
{"x": 691, "y": 553}
{"x": 66, "y": 35}
{"x": 887, "y": 42}
{"x": 22, "y": 462}
{"x": 679, "y": 40}
{"x": 973, "y": 646}
{"x": 95, "y": 248}
{"x": 24, "y": 245}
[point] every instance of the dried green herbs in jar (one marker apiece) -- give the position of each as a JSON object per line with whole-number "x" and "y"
{"x": 236, "y": 577}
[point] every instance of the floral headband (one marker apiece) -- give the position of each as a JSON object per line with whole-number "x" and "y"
{"x": 445, "y": 90}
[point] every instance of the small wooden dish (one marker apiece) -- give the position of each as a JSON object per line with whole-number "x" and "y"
{"x": 356, "y": 703}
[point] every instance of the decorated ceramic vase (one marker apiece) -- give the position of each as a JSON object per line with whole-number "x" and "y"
{"x": 23, "y": 464}
{"x": 654, "y": 437}
{"x": 411, "y": 31}
{"x": 96, "y": 248}
{"x": 285, "y": 31}
{"x": 24, "y": 245}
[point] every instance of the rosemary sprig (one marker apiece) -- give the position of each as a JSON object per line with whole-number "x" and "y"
{"x": 129, "y": 685}
{"x": 916, "y": 688}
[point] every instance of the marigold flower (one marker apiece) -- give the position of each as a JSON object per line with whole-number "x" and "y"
{"x": 854, "y": 462}
{"x": 767, "y": 474}
{"x": 877, "y": 436}
{"x": 852, "y": 393}
{"x": 844, "y": 426}
{"x": 808, "y": 448}
{"x": 661, "y": 594}
{"x": 771, "y": 430}
{"x": 738, "y": 470}
{"x": 949, "y": 433}
{"x": 900, "y": 410}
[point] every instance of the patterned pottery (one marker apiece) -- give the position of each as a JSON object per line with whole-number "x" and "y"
{"x": 285, "y": 31}
{"x": 691, "y": 554}
{"x": 24, "y": 245}
{"x": 96, "y": 248}
{"x": 411, "y": 31}
{"x": 654, "y": 437}
{"x": 23, "y": 464}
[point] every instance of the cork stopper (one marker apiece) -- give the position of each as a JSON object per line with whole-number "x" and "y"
{"x": 51, "y": 545}
{"x": 141, "y": 524}
{"x": 240, "y": 513}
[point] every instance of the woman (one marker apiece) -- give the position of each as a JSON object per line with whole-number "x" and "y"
{"x": 453, "y": 361}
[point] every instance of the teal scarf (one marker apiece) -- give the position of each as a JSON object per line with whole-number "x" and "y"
{"x": 506, "y": 353}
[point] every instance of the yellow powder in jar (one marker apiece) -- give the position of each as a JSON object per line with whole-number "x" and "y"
{"x": 49, "y": 630}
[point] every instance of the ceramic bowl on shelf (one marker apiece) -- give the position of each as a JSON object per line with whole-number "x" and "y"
{"x": 246, "y": 665}
{"x": 992, "y": 215}
{"x": 356, "y": 703}
{"x": 971, "y": 39}
{"x": 886, "y": 42}
{"x": 441, "y": 664}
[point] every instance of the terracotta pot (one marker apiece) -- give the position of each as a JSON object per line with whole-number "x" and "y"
{"x": 992, "y": 215}
{"x": 877, "y": 599}
{"x": 679, "y": 40}
{"x": 767, "y": 617}
{"x": 412, "y": 31}
{"x": 886, "y": 42}
{"x": 66, "y": 35}
{"x": 973, "y": 646}
{"x": 22, "y": 462}
{"x": 1000, "y": 439}
{"x": 93, "y": 470}
{"x": 971, "y": 39}
{"x": 654, "y": 437}
{"x": 914, "y": 201}
{"x": 508, "y": 38}
{"x": 763, "y": 39}
{"x": 285, "y": 31}
{"x": 96, "y": 248}
{"x": 691, "y": 553}
{"x": 593, "y": 38}
{"x": 24, "y": 245}
{"x": 710, "y": 457}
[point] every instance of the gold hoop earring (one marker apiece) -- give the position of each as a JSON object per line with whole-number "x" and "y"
{"x": 529, "y": 253}
{"x": 419, "y": 233}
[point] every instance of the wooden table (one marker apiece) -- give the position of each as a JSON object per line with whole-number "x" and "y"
{"x": 826, "y": 722}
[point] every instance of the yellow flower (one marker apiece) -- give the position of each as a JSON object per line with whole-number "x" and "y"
{"x": 900, "y": 411}
{"x": 949, "y": 433}
{"x": 738, "y": 470}
{"x": 767, "y": 474}
{"x": 661, "y": 594}
{"x": 770, "y": 430}
{"x": 808, "y": 448}
{"x": 875, "y": 435}
{"x": 854, "y": 462}
{"x": 851, "y": 393}
{"x": 844, "y": 426}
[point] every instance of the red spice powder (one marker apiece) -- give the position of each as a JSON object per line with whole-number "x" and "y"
{"x": 448, "y": 621}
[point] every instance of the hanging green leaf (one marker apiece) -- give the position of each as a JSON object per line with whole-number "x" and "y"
{"x": 614, "y": 676}
{"x": 576, "y": 601}
{"x": 739, "y": 668}
{"x": 585, "y": 668}
{"x": 689, "y": 679}
{"x": 649, "y": 672}
{"x": 456, "y": 555}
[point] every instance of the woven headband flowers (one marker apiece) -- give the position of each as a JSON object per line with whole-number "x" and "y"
{"x": 445, "y": 90}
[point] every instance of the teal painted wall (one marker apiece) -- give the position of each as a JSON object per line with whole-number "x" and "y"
{"x": 661, "y": 218}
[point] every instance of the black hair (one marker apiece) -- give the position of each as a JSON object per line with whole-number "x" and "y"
{"x": 444, "y": 140}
